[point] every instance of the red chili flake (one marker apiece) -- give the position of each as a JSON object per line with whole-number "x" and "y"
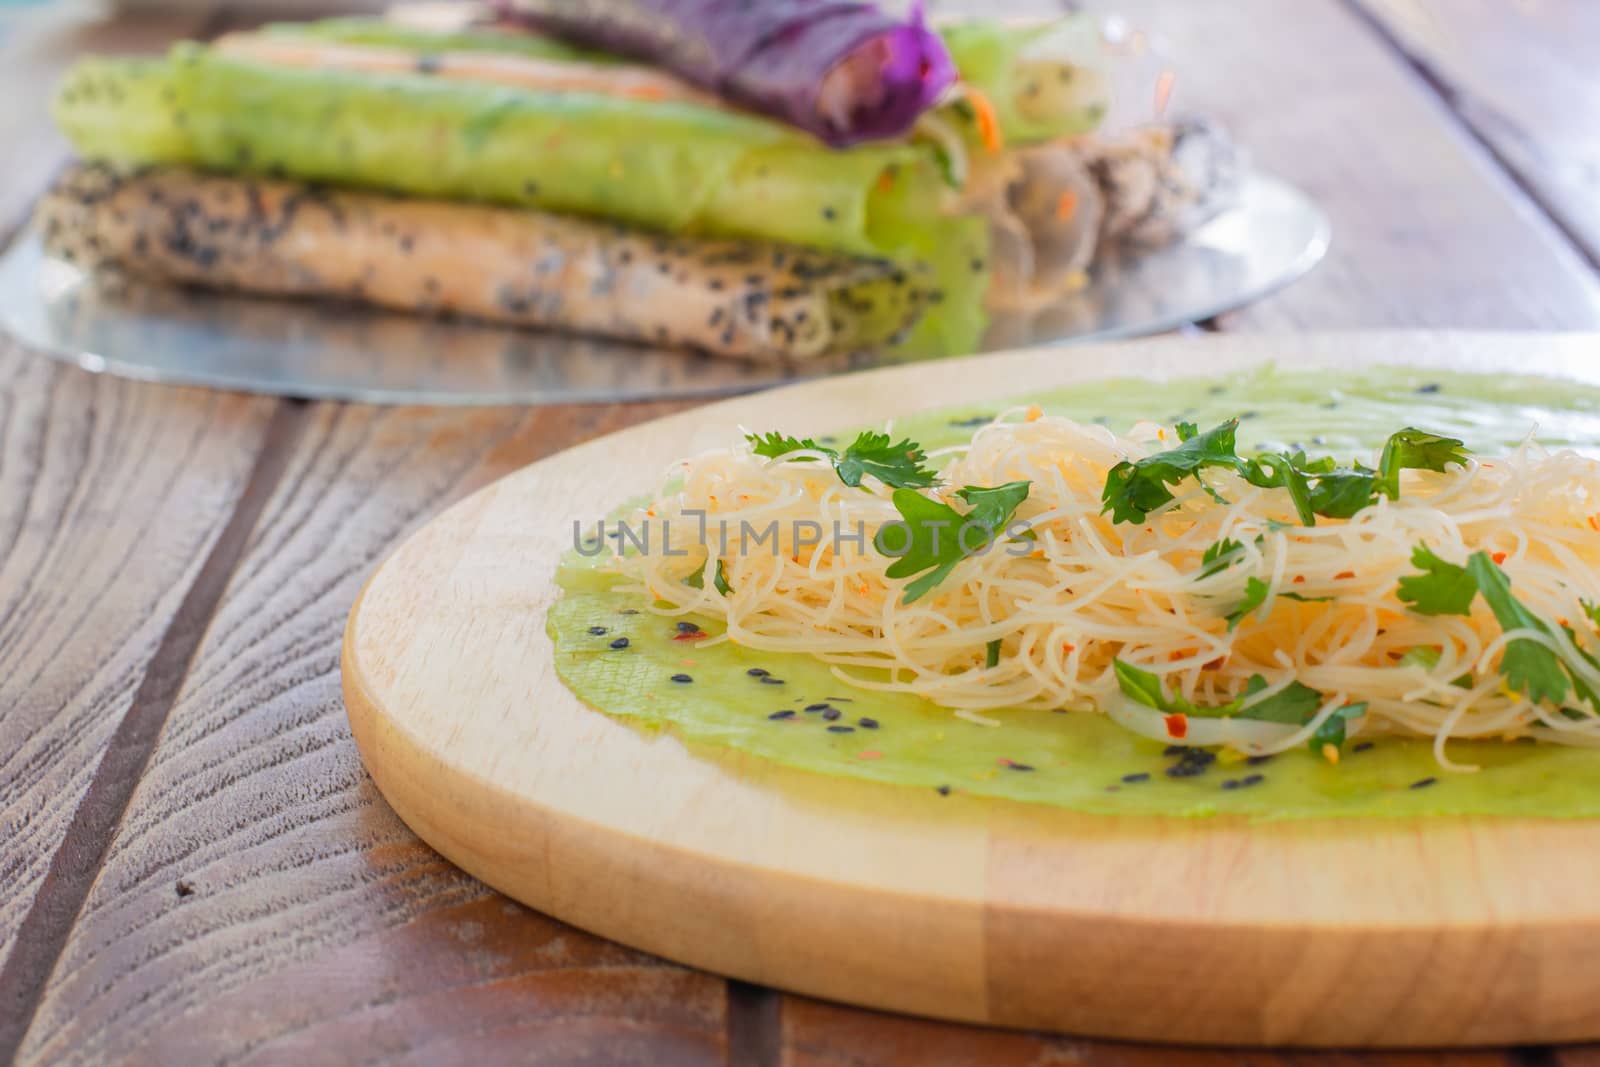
{"x": 870, "y": 753}
{"x": 690, "y": 635}
{"x": 1345, "y": 574}
{"x": 1299, "y": 578}
{"x": 1498, "y": 557}
{"x": 1177, "y": 725}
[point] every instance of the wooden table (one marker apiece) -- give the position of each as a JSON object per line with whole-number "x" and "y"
{"x": 194, "y": 867}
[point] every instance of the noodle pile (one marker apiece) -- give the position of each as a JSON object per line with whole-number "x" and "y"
{"x": 1082, "y": 592}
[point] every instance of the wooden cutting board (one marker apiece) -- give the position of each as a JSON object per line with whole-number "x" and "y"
{"x": 1441, "y": 932}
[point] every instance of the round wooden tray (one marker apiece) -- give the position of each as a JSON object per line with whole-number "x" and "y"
{"x": 1438, "y": 932}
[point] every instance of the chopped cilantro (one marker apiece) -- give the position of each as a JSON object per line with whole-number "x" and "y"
{"x": 1441, "y": 589}
{"x": 898, "y": 465}
{"x": 1219, "y": 557}
{"x": 1332, "y": 729}
{"x": 937, "y": 534}
{"x": 1529, "y": 667}
{"x": 1417, "y": 450}
{"x": 1427, "y": 657}
{"x": 1134, "y": 489}
{"x": 991, "y": 657}
{"x": 1293, "y": 705}
{"x": 1255, "y": 594}
{"x": 1315, "y": 486}
{"x": 720, "y": 582}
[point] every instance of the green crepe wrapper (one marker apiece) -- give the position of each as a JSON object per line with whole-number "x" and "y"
{"x": 669, "y": 166}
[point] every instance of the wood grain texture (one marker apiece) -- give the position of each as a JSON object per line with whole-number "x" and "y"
{"x": 110, "y": 495}
{"x": 1427, "y": 229}
{"x": 1522, "y": 75}
{"x": 257, "y": 866}
{"x": 819, "y": 1034}
{"x": 1020, "y": 915}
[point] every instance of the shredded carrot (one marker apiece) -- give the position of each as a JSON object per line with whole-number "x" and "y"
{"x": 1345, "y": 574}
{"x": 988, "y": 122}
{"x": 1066, "y": 206}
{"x": 1177, "y": 726}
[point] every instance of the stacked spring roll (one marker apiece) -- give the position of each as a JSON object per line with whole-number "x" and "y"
{"x": 524, "y": 178}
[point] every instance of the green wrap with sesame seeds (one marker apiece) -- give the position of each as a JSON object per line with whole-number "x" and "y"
{"x": 668, "y": 166}
{"x": 1081, "y": 760}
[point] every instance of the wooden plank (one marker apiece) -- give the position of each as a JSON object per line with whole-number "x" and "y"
{"x": 1428, "y": 230}
{"x": 111, "y": 496}
{"x": 258, "y": 866}
{"x": 818, "y": 1034}
{"x": 1522, "y": 75}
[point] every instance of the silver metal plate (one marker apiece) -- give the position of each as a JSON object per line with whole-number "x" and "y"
{"x": 338, "y": 352}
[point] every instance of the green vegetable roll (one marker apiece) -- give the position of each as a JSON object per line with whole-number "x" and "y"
{"x": 667, "y": 166}
{"x": 1044, "y": 79}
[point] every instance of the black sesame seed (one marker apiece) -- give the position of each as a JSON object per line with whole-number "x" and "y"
{"x": 868, "y": 724}
{"x": 1174, "y": 750}
{"x": 1142, "y": 776}
{"x": 816, "y": 707}
{"x": 1230, "y": 783}
{"x": 786, "y": 713}
{"x": 688, "y": 628}
{"x": 829, "y": 214}
{"x": 1423, "y": 783}
{"x": 942, "y": 790}
{"x": 832, "y": 714}
{"x": 841, "y": 729}
{"x": 621, "y": 642}
{"x": 1252, "y": 779}
{"x": 1019, "y": 766}
{"x": 682, "y": 679}
{"x": 1361, "y": 746}
{"x": 757, "y": 672}
{"x": 628, "y": 611}
{"x": 768, "y": 680}
{"x": 598, "y": 630}
{"x": 1256, "y": 761}
{"x": 1431, "y": 387}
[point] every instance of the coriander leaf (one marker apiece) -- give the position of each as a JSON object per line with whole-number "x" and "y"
{"x": 1414, "y": 449}
{"x": 1528, "y": 667}
{"x": 1332, "y": 730}
{"x": 1305, "y": 599}
{"x": 1143, "y": 687}
{"x": 938, "y": 536}
{"x": 991, "y": 656}
{"x": 1186, "y": 430}
{"x": 897, "y": 465}
{"x": 1255, "y": 594}
{"x": 721, "y": 580}
{"x": 1427, "y": 657}
{"x": 1293, "y": 705}
{"x": 1219, "y": 556}
{"x": 1442, "y": 589}
{"x": 1340, "y": 493}
{"x": 994, "y": 507}
{"x": 774, "y": 444}
{"x": 1134, "y": 489}
{"x": 1590, "y": 609}
{"x": 1277, "y": 471}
